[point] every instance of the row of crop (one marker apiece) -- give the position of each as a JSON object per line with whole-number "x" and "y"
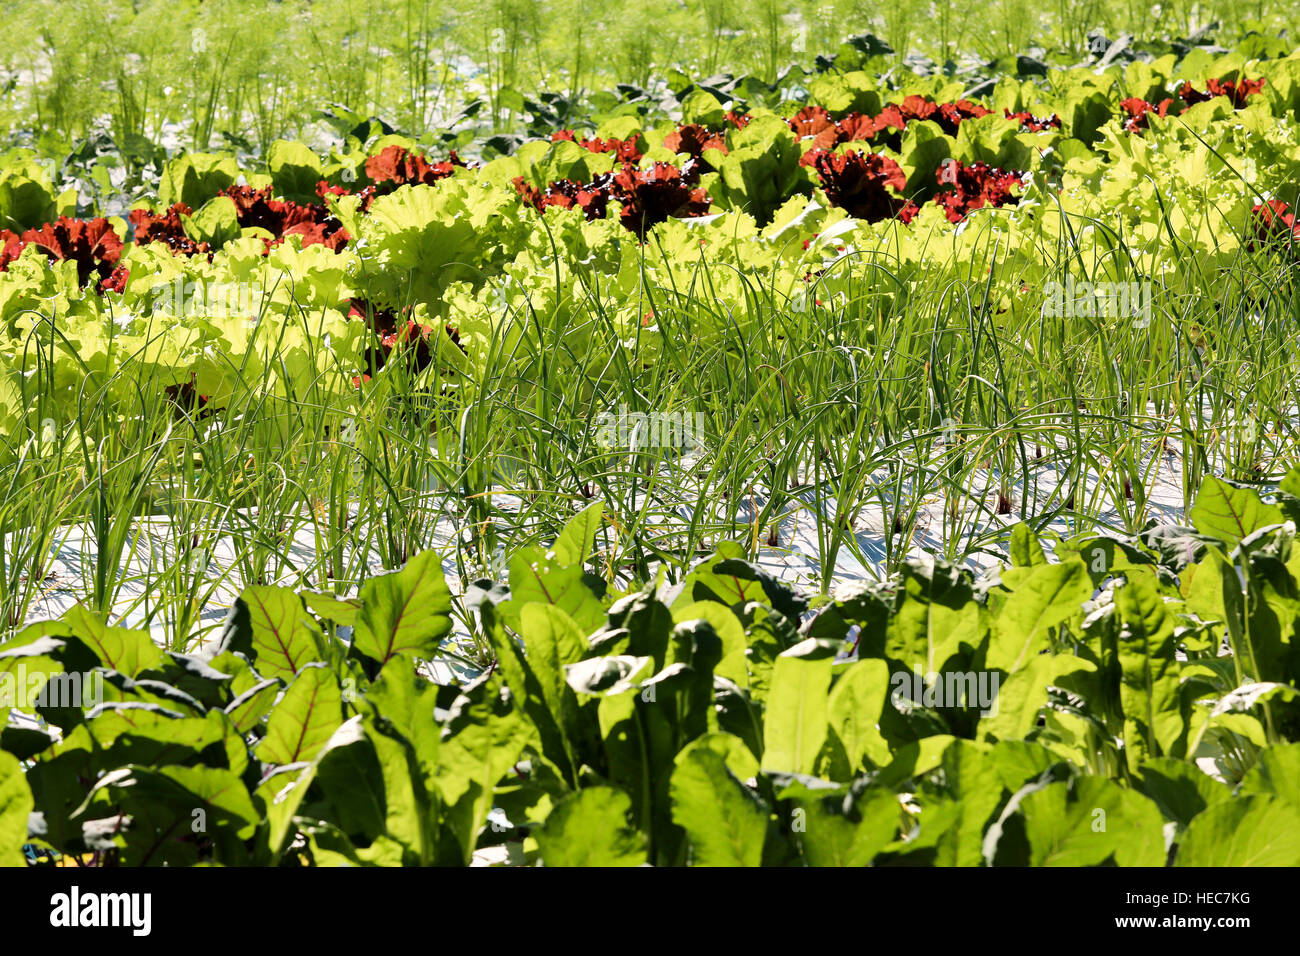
{"x": 199, "y": 73}
{"x": 1076, "y": 710}
{"x": 843, "y": 109}
{"x": 351, "y": 255}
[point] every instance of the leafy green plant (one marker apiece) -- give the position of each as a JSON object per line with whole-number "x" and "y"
{"x": 715, "y": 722}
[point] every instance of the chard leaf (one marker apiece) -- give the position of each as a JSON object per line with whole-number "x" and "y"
{"x": 308, "y": 713}
{"x": 1229, "y": 512}
{"x": 283, "y": 635}
{"x": 405, "y": 612}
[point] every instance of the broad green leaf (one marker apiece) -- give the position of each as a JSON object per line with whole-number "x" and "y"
{"x": 252, "y": 705}
{"x": 589, "y": 828}
{"x": 194, "y": 178}
{"x": 1290, "y": 483}
{"x": 704, "y": 583}
{"x": 1206, "y": 583}
{"x": 405, "y": 736}
{"x": 937, "y": 817}
{"x": 218, "y": 787}
{"x": 1026, "y": 551}
{"x": 535, "y": 694}
{"x": 915, "y": 759}
{"x": 284, "y": 635}
{"x": 284, "y": 791}
{"x": 639, "y": 742}
{"x": 574, "y": 543}
{"x": 606, "y": 675}
{"x": 1018, "y": 761}
{"x": 1096, "y": 821}
{"x": 970, "y": 778}
{"x": 308, "y": 713}
{"x": 760, "y": 170}
{"x": 243, "y": 677}
{"x": 1230, "y": 513}
{"x": 216, "y": 223}
{"x": 1270, "y": 644}
{"x": 352, "y": 789}
{"x": 1276, "y": 772}
{"x": 776, "y": 593}
{"x": 16, "y": 805}
{"x": 406, "y": 700}
{"x": 863, "y": 606}
{"x": 405, "y": 612}
{"x": 1022, "y": 695}
{"x": 794, "y": 727}
{"x": 551, "y": 640}
{"x": 294, "y": 169}
{"x": 853, "y": 711}
{"x": 409, "y": 806}
{"x": 923, "y": 149}
{"x": 127, "y": 651}
{"x": 26, "y": 202}
{"x": 723, "y": 819}
{"x": 701, "y": 106}
{"x": 738, "y": 757}
{"x": 1051, "y": 595}
{"x": 1254, "y": 830}
{"x": 330, "y": 847}
{"x": 486, "y": 736}
{"x": 1103, "y": 555}
{"x": 153, "y": 815}
{"x": 1180, "y": 789}
{"x": 150, "y": 737}
{"x": 648, "y": 624}
{"x": 331, "y": 607}
{"x": 735, "y": 647}
{"x": 536, "y": 578}
{"x": 1150, "y": 682}
{"x": 829, "y": 838}
{"x": 937, "y": 620}
{"x": 25, "y": 670}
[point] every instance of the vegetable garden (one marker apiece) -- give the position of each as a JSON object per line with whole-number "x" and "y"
{"x": 877, "y": 460}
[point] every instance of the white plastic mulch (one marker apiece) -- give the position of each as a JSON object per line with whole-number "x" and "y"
{"x": 793, "y": 558}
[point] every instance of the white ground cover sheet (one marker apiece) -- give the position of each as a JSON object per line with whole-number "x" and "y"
{"x": 795, "y": 557}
